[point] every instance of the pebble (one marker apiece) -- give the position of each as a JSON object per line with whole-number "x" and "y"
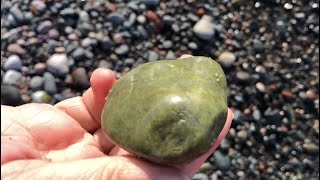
{"x": 221, "y": 161}
{"x": 105, "y": 64}
{"x": 256, "y": 115}
{"x": 258, "y": 46}
{"x": 167, "y": 44}
{"x": 151, "y": 4}
{"x": 40, "y": 68}
{"x": 204, "y": 28}
{"x": 44, "y": 27}
{"x": 37, "y": 6}
{"x": 13, "y": 62}
{"x": 116, "y": 19}
{"x": 206, "y": 166}
{"x": 170, "y": 55}
{"x": 41, "y": 97}
{"x": 53, "y": 34}
{"x": 17, "y": 15}
{"x": 311, "y": 148}
{"x": 193, "y": 46}
{"x": 49, "y": 84}
{"x": 200, "y": 176}
{"x": 261, "y": 87}
{"x": 10, "y": 95}
{"x": 16, "y": 49}
{"x": 58, "y": 64}
{"x": 141, "y": 19}
{"x": 80, "y": 78}
{"x": 122, "y": 49}
{"x": 227, "y": 59}
{"x": 242, "y": 76}
{"x": 242, "y": 135}
{"x": 36, "y": 83}
{"x": 153, "y": 56}
{"x": 12, "y": 77}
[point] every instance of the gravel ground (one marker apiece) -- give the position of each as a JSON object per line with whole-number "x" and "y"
{"x": 269, "y": 50}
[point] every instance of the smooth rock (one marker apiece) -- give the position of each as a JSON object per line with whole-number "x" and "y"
{"x": 40, "y": 68}
{"x": 58, "y": 64}
{"x": 80, "y": 78}
{"x": 204, "y": 28}
{"x": 16, "y": 49}
{"x": 116, "y": 19}
{"x": 242, "y": 76}
{"x": 222, "y": 161}
{"x": 49, "y": 84}
{"x": 105, "y": 64}
{"x": 53, "y": 34}
{"x": 170, "y": 55}
{"x": 193, "y": 46}
{"x": 17, "y": 15}
{"x": 10, "y": 95}
{"x": 311, "y": 148}
{"x": 151, "y": 4}
{"x": 227, "y": 59}
{"x": 122, "y": 49}
{"x": 167, "y": 44}
{"x": 12, "y": 77}
{"x": 37, "y": 6}
{"x": 13, "y": 62}
{"x": 261, "y": 87}
{"x": 200, "y": 176}
{"x": 44, "y": 27}
{"x": 36, "y": 83}
{"x": 153, "y": 56}
{"x": 41, "y": 97}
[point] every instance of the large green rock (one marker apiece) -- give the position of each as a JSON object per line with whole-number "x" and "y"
{"x": 168, "y": 111}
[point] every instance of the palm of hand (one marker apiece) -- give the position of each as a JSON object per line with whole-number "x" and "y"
{"x": 66, "y": 142}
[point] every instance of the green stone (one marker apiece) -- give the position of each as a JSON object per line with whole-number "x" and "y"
{"x": 168, "y": 111}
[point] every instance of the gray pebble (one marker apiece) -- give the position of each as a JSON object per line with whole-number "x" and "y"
{"x": 10, "y": 95}
{"x": 153, "y": 56}
{"x": 49, "y": 84}
{"x": 36, "y": 83}
{"x": 222, "y": 161}
{"x": 58, "y": 64}
{"x": 12, "y": 77}
{"x": 122, "y": 49}
{"x": 200, "y": 176}
{"x": 204, "y": 28}
{"x": 13, "y": 62}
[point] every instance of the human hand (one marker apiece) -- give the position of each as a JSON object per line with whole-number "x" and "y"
{"x": 65, "y": 141}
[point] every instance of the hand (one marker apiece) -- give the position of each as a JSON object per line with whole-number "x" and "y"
{"x": 65, "y": 141}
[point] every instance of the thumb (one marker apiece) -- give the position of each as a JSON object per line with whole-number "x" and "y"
{"x": 111, "y": 168}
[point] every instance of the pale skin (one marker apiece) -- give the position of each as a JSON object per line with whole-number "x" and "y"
{"x": 65, "y": 141}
